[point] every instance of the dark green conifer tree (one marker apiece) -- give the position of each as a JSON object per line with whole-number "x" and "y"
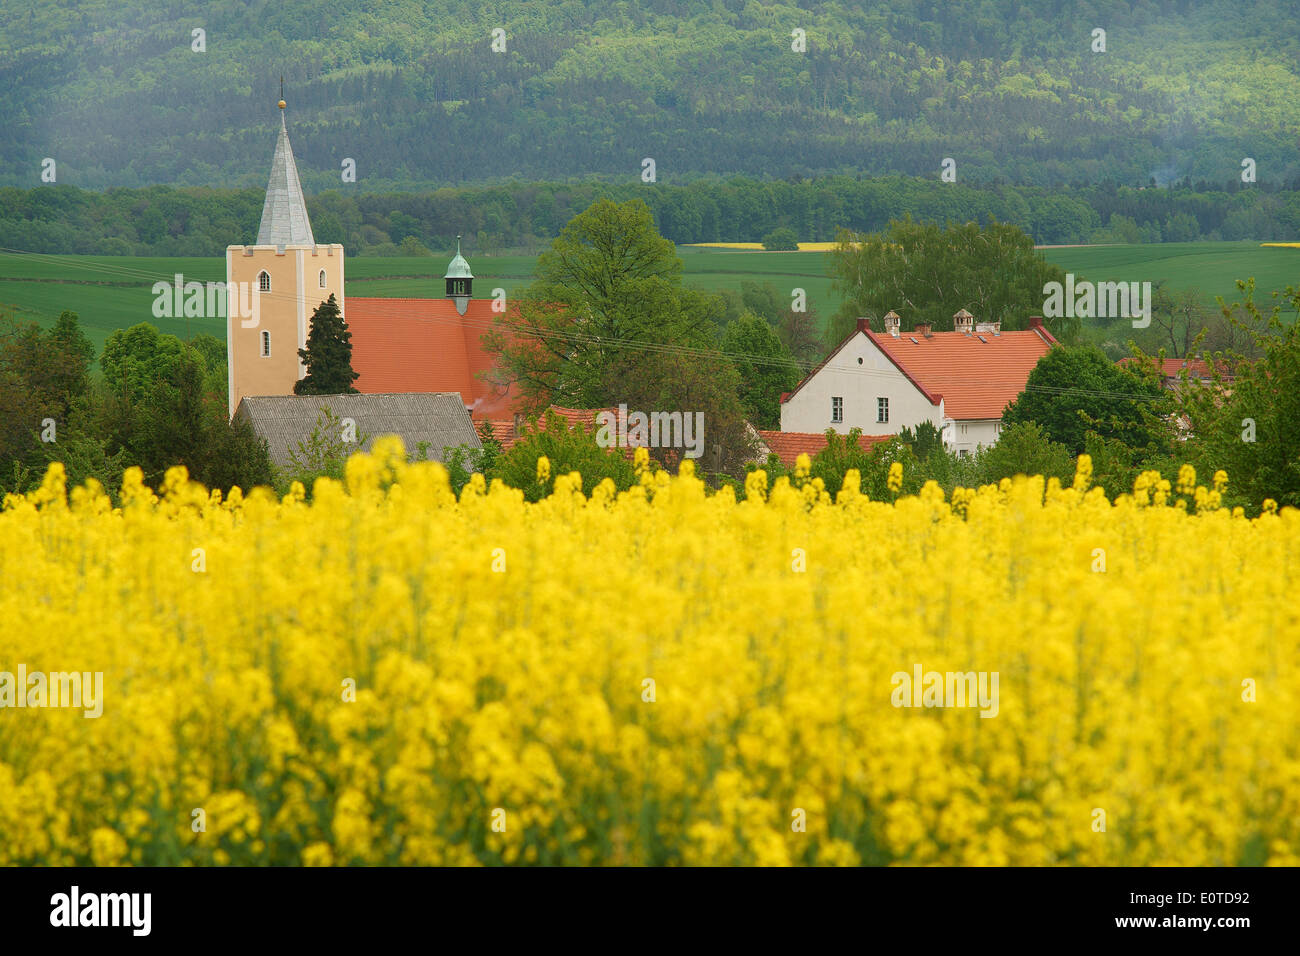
{"x": 328, "y": 354}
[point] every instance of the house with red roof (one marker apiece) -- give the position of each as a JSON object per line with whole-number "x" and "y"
{"x": 959, "y": 381}
{"x": 399, "y": 346}
{"x": 1171, "y": 369}
{"x": 426, "y": 345}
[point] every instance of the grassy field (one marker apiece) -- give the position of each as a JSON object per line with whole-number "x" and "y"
{"x": 1211, "y": 268}
{"x": 111, "y": 292}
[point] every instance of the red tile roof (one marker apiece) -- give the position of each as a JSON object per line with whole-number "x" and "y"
{"x": 977, "y": 374}
{"x": 425, "y": 345}
{"x": 1171, "y": 367}
{"x": 505, "y": 431}
{"x": 787, "y": 446}
{"x": 862, "y": 327}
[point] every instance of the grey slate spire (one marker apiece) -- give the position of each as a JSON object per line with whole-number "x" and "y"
{"x": 284, "y": 216}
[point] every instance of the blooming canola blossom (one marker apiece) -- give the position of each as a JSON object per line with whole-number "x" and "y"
{"x": 386, "y": 672}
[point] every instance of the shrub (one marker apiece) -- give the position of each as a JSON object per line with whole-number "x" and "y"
{"x": 566, "y": 450}
{"x": 1025, "y": 449}
{"x": 781, "y": 239}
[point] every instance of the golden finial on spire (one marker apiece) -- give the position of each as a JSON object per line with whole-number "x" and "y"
{"x": 282, "y": 102}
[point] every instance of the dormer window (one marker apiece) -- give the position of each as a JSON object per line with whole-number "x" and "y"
{"x": 322, "y": 278}
{"x": 264, "y": 281}
{"x": 266, "y": 342}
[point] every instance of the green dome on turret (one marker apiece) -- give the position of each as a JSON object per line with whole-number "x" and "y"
{"x": 458, "y": 268}
{"x": 459, "y": 280}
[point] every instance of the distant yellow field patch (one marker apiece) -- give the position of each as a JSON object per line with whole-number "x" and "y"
{"x": 1274, "y": 245}
{"x": 758, "y": 246}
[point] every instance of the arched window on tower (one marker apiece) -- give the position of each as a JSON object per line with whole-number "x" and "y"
{"x": 322, "y": 278}
{"x": 264, "y": 281}
{"x": 266, "y": 344}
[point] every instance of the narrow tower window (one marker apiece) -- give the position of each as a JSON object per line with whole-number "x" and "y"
{"x": 264, "y": 281}
{"x": 322, "y": 278}
{"x": 266, "y": 342}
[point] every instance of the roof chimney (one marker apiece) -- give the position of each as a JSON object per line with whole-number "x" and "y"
{"x": 863, "y": 324}
{"x": 961, "y": 322}
{"x": 1035, "y": 321}
{"x": 923, "y": 328}
{"x": 892, "y": 323}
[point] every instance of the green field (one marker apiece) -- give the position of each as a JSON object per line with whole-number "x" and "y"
{"x": 111, "y": 292}
{"x": 1211, "y": 268}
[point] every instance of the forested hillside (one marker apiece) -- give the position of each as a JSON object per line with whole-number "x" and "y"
{"x": 414, "y": 93}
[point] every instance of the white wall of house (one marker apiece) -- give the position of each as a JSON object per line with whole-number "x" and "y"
{"x": 964, "y": 437}
{"x": 859, "y": 374}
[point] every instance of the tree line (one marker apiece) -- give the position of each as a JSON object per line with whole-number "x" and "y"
{"x": 170, "y": 221}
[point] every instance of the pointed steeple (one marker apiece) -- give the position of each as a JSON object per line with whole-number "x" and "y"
{"x": 284, "y": 216}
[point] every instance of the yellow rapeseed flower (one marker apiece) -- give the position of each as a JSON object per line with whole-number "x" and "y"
{"x": 387, "y": 673}
{"x": 895, "y": 480}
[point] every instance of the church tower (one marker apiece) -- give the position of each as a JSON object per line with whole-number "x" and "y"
{"x": 274, "y": 286}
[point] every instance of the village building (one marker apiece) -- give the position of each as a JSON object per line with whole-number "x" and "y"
{"x": 1170, "y": 371}
{"x": 429, "y": 423}
{"x": 399, "y": 346}
{"x": 960, "y": 381}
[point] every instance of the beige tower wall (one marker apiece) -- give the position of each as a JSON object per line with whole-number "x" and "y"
{"x": 285, "y": 312}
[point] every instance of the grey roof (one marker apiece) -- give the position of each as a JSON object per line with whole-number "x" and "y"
{"x": 284, "y": 215}
{"x": 439, "y": 418}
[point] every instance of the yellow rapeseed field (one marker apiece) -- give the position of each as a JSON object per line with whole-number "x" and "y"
{"x": 757, "y": 246}
{"x": 385, "y": 674}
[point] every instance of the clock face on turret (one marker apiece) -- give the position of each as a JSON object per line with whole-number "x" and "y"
{"x": 457, "y": 287}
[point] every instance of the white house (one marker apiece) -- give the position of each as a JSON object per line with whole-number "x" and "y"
{"x": 959, "y": 381}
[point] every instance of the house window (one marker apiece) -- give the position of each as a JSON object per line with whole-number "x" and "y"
{"x": 266, "y": 344}
{"x": 963, "y": 429}
{"x": 837, "y": 409}
{"x": 264, "y": 281}
{"x": 882, "y": 411}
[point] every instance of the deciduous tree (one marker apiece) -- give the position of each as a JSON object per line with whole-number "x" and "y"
{"x": 927, "y": 273}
